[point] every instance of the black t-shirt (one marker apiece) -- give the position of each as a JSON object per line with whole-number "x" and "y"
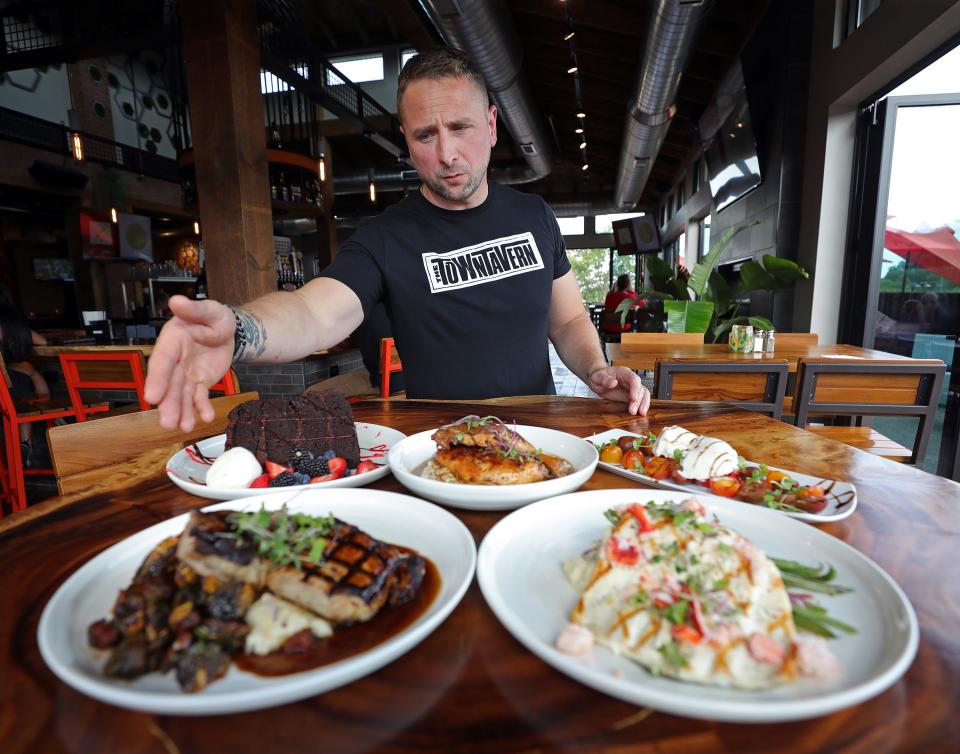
{"x": 467, "y": 291}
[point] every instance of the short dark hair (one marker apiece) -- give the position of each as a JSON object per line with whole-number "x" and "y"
{"x": 623, "y": 282}
{"x": 440, "y": 63}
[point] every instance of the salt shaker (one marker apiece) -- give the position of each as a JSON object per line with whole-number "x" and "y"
{"x": 770, "y": 343}
{"x": 759, "y": 337}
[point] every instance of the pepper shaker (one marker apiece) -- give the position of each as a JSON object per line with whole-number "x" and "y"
{"x": 770, "y": 343}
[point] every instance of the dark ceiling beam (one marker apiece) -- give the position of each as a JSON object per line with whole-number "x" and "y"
{"x": 602, "y": 16}
{"x": 412, "y": 25}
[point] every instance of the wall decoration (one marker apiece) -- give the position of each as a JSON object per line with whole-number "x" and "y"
{"x": 136, "y": 241}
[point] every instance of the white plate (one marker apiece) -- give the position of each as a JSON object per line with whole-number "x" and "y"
{"x": 90, "y": 592}
{"x": 188, "y": 473}
{"x": 841, "y": 496}
{"x": 526, "y": 588}
{"x": 410, "y": 454}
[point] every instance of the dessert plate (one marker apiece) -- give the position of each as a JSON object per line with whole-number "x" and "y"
{"x": 91, "y": 591}
{"x": 187, "y": 468}
{"x": 841, "y": 496}
{"x": 527, "y": 589}
{"x": 408, "y": 457}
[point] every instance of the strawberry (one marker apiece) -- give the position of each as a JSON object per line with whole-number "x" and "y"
{"x": 366, "y": 466}
{"x": 260, "y": 481}
{"x": 337, "y": 466}
{"x": 275, "y": 469}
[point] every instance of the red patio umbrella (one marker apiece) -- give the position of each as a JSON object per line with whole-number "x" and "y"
{"x": 937, "y": 251}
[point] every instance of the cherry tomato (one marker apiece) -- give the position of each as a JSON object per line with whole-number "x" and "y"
{"x": 658, "y": 467}
{"x": 810, "y": 504}
{"x": 725, "y": 486}
{"x": 753, "y": 492}
{"x": 611, "y": 453}
{"x": 813, "y": 491}
{"x": 677, "y": 476}
{"x": 626, "y": 443}
{"x": 633, "y": 461}
{"x": 777, "y": 476}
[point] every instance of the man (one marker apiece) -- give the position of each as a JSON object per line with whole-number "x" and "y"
{"x": 474, "y": 277}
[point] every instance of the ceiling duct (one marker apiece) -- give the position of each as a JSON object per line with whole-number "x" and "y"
{"x": 484, "y": 30}
{"x": 668, "y": 44}
{"x": 399, "y": 179}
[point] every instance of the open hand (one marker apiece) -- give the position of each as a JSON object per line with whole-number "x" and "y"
{"x": 621, "y": 384}
{"x": 194, "y": 350}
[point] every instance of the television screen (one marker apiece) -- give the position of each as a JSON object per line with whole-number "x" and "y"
{"x": 732, "y": 160}
{"x": 52, "y": 269}
{"x": 636, "y": 235}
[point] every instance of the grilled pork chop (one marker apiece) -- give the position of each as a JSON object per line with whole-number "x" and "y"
{"x": 354, "y": 579}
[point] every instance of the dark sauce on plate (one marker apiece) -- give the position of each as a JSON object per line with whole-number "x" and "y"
{"x": 348, "y": 641}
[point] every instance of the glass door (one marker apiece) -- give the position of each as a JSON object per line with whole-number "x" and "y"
{"x": 913, "y": 292}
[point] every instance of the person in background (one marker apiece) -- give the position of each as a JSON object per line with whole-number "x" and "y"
{"x": 610, "y": 321}
{"x": 911, "y": 319}
{"x": 26, "y": 383}
{"x": 474, "y": 276}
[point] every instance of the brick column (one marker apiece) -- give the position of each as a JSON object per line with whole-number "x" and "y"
{"x": 85, "y": 92}
{"x": 222, "y": 62}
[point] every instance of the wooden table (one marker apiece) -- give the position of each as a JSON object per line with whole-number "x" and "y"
{"x": 470, "y": 687}
{"x": 645, "y": 357}
{"x": 131, "y": 344}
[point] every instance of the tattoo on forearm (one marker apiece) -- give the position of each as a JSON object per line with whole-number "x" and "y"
{"x": 254, "y": 334}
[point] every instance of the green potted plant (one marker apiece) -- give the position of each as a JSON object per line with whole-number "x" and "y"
{"x": 700, "y": 300}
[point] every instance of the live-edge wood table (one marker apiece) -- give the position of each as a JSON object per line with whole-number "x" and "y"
{"x": 470, "y": 687}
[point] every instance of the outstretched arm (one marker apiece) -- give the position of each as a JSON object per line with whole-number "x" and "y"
{"x": 195, "y": 348}
{"x": 576, "y": 341}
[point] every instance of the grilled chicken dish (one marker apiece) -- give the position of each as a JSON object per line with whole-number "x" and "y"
{"x": 477, "y": 450}
{"x": 255, "y": 582}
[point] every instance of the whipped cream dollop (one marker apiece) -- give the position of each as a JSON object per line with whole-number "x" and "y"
{"x": 708, "y": 457}
{"x": 234, "y": 470}
{"x": 672, "y": 439}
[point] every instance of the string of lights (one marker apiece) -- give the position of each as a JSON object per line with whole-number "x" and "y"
{"x": 570, "y": 37}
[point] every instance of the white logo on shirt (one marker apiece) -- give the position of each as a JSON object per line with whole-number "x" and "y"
{"x": 483, "y": 263}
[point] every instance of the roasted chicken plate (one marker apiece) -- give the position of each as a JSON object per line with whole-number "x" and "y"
{"x": 475, "y": 450}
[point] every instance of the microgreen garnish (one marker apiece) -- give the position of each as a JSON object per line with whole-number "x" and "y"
{"x": 612, "y": 516}
{"x": 671, "y": 653}
{"x": 283, "y": 537}
{"x": 640, "y": 598}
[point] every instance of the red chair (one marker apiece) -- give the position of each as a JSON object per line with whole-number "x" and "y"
{"x": 389, "y": 363}
{"x": 102, "y": 370}
{"x": 229, "y": 385}
{"x": 14, "y": 415}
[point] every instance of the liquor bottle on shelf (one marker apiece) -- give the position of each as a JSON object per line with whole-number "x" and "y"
{"x": 274, "y": 190}
{"x": 317, "y": 193}
{"x": 282, "y": 189}
{"x": 200, "y": 287}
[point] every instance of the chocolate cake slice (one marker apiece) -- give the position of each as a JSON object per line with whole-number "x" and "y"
{"x": 319, "y": 422}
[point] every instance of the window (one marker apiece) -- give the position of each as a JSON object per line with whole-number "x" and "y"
{"x": 704, "y": 236}
{"x": 681, "y": 194}
{"x": 571, "y": 226}
{"x": 604, "y": 223}
{"x": 858, "y": 11}
{"x": 356, "y": 69}
{"x": 695, "y": 183}
{"x": 405, "y": 57}
{"x": 270, "y": 83}
{"x": 592, "y": 268}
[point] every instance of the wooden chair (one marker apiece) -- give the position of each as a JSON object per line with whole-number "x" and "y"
{"x": 102, "y": 370}
{"x": 14, "y": 415}
{"x": 753, "y": 385}
{"x": 828, "y": 387}
{"x": 389, "y": 363}
{"x": 796, "y": 339}
{"x": 127, "y": 448}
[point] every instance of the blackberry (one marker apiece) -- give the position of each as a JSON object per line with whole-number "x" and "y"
{"x": 298, "y": 456}
{"x": 284, "y": 479}
{"x": 313, "y": 467}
